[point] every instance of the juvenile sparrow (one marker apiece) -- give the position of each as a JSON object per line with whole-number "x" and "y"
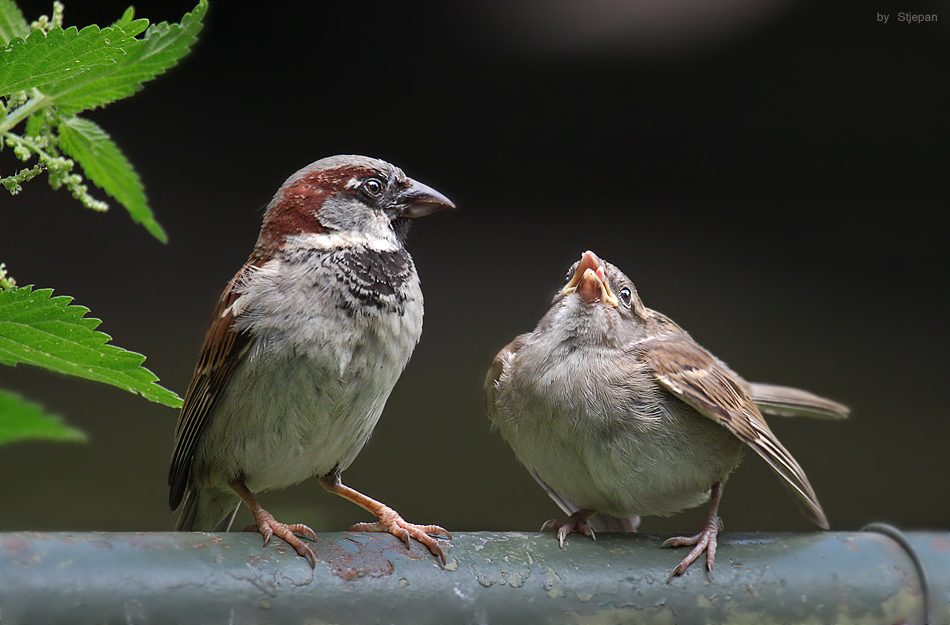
{"x": 617, "y": 412}
{"x": 307, "y": 341}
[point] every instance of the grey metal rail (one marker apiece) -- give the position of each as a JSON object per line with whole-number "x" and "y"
{"x": 875, "y": 576}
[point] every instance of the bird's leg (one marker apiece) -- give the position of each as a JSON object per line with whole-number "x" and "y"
{"x": 703, "y": 541}
{"x": 576, "y": 523}
{"x": 268, "y": 526}
{"x": 389, "y": 519}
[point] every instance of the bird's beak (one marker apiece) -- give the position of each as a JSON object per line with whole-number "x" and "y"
{"x": 590, "y": 281}
{"x": 418, "y": 200}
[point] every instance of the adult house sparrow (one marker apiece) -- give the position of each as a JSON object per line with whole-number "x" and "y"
{"x": 617, "y": 412}
{"x": 307, "y": 341}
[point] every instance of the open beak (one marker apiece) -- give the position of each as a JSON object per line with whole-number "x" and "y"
{"x": 418, "y": 200}
{"x": 590, "y": 281}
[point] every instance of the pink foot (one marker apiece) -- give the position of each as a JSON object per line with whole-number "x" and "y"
{"x": 269, "y": 527}
{"x": 703, "y": 541}
{"x": 577, "y": 523}
{"x": 391, "y": 522}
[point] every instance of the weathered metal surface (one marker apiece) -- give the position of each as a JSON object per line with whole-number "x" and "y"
{"x": 522, "y": 578}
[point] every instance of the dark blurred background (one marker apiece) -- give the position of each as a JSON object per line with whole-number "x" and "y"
{"x": 772, "y": 175}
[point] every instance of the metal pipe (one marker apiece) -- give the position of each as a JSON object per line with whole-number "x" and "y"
{"x": 131, "y": 578}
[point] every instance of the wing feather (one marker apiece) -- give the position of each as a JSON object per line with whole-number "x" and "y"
{"x": 498, "y": 366}
{"x": 222, "y": 351}
{"x": 693, "y": 375}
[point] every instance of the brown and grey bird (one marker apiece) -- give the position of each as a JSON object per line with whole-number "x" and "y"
{"x": 618, "y": 413}
{"x": 306, "y": 343}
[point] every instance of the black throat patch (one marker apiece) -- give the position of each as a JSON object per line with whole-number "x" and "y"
{"x": 374, "y": 278}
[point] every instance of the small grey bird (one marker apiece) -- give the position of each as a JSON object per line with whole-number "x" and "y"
{"x": 306, "y": 343}
{"x": 617, "y": 412}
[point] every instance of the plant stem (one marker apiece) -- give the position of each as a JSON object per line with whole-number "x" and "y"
{"x": 30, "y": 144}
{"x": 34, "y": 104}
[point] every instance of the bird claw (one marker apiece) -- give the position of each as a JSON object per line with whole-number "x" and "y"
{"x": 390, "y": 522}
{"x": 269, "y": 527}
{"x": 705, "y": 540}
{"x": 577, "y": 523}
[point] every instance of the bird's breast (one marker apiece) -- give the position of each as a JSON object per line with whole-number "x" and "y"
{"x": 316, "y": 375}
{"x": 605, "y": 435}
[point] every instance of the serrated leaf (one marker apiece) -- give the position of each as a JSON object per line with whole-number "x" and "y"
{"x": 129, "y": 25}
{"x": 36, "y": 123}
{"x": 46, "y": 59}
{"x": 162, "y": 47}
{"x": 45, "y": 331}
{"x": 21, "y": 420}
{"x": 126, "y": 17}
{"x": 12, "y": 22}
{"x": 135, "y": 27}
{"x": 104, "y": 164}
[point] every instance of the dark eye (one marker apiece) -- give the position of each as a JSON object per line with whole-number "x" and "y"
{"x": 570, "y": 273}
{"x": 625, "y": 295}
{"x": 372, "y": 186}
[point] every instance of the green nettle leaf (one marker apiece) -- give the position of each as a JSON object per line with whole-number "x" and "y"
{"x": 21, "y": 420}
{"x": 49, "y": 74}
{"x": 37, "y": 124}
{"x": 45, "y": 331}
{"x": 12, "y": 22}
{"x": 104, "y": 164}
{"x": 162, "y": 47}
{"x": 126, "y": 17}
{"x": 44, "y": 61}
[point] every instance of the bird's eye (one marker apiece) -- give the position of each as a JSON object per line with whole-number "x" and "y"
{"x": 625, "y": 295}
{"x": 373, "y": 187}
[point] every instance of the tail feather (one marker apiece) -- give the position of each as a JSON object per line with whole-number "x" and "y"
{"x": 786, "y": 401}
{"x": 207, "y": 511}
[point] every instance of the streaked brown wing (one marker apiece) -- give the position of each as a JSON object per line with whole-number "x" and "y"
{"x": 221, "y": 352}
{"x": 691, "y": 373}
{"x": 490, "y": 386}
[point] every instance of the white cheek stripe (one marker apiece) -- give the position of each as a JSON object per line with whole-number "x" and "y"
{"x": 327, "y": 241}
